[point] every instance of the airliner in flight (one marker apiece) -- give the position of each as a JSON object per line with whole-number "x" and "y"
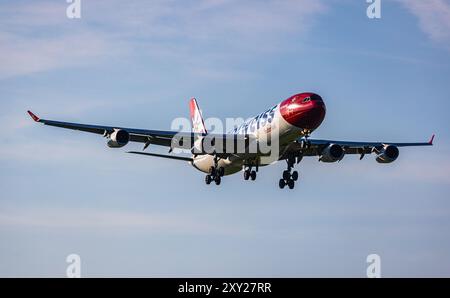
{"x": 293, "y": 119}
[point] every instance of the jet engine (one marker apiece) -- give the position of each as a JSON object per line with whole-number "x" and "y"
{"x": 118, "y": 138}
{"x": 332, "y": 153}
{"x": 388, "y": 154}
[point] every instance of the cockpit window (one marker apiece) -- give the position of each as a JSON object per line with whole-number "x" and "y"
{"x": 306, "y": 99}
{"x": 316, "y": 97}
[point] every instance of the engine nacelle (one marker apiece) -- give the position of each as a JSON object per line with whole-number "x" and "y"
{"x": 388, "y": 154}
{"x": 332, "y": 153}
{"x": 118, "y": 138}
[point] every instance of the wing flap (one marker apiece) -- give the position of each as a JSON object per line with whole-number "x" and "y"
{"x": 163, "y": 155}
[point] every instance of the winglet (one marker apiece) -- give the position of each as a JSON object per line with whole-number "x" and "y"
{"x": 431, "y": 140}
{"x": 33, "y": 116}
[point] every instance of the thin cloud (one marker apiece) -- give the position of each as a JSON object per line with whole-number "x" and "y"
{"x": 21, "y": 55}
{"x": 434, "y": 18}
{"x": 39, "y": 37}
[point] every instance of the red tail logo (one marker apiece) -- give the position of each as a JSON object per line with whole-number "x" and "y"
{"x": 198, "y": 125}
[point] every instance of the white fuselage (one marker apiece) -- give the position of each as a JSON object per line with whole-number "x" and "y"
{"x": 267, "y": 124}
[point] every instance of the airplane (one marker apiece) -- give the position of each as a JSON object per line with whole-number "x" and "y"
{"x": 294, "y": 119}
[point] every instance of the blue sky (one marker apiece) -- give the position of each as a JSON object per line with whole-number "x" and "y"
{"x": 137, "y": 65}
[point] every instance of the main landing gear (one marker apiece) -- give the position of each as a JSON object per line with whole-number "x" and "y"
{"x": 288, "y": 177}
{"x": 215, "y": 174}
{"x": 249, "y": 173}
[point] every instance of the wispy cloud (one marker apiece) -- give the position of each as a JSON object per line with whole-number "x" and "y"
{"x": 39, "y": 37}
{"x": 21, "y": 55}
{"x": 434, "y": 18}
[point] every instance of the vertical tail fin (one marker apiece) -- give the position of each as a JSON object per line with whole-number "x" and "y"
{"x": 198, "y": 125}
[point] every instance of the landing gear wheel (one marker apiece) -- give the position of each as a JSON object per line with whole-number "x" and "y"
{"x": 295, "y": 175}
{"x": 208, "y": 179}
{"x": 246, "y": 174}
{"x": 286, "y": 175}
{"x": 253, "y": 175}
{"x": 217, "y": 179}
{"x": 221, "y": 171}
{"x": 290, "y": 183}
{"x": 281, "y": 183}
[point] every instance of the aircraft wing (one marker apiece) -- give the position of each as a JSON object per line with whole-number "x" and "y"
{"x": 158, "y": 137}
{"x": 313, "y": 147}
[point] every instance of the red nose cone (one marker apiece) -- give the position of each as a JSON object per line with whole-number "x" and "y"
{"x": 304, "y": 110}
